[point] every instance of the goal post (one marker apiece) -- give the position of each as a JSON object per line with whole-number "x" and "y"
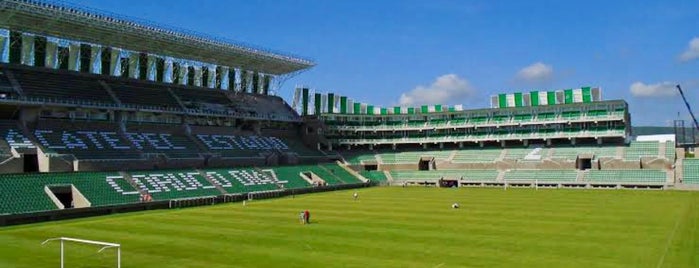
{"x": 105, "y": 245}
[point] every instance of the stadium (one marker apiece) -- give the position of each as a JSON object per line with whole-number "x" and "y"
{"x": 132, "y": 143}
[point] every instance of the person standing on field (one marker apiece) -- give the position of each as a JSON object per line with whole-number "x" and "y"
{"x": 307, "y": 217}
{"x": 355, "y": 196}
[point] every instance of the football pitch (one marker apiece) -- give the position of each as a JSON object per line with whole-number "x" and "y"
{"x": 388, "y": 227}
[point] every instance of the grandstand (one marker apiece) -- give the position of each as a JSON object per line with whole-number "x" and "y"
{"x": 115, "y": 112}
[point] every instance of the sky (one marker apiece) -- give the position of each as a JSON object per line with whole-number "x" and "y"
{"x": 408, "y": 52}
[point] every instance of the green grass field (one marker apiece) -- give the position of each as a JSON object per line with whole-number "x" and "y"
{"x": 389, "y": 227}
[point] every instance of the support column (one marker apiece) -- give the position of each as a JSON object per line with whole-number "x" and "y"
{"x": 548, "y": 142}
{"x": 115, "y": 62}
{"x": 261, "y": 83}
{"x": 526, "y": 142}
{"x": 424, "y": 146}
{"x": 4, "y": 45}
{"x": 441, "y": 145}
{"x": 134, "y": 66}
{"x": 74, "y": 56}
{"x": 480, "y": 143}
{"x": 248, "y": 81}
{"x": 96, "y": 59}
{"x": 225, "y": 80}
{"x": 461, "y": 144}
{"x": 167, "y": 71}
{"x": 27, "y": 49}
{"x": 503, "y": 143}
{"x": 197, "y": 76}
{"x": 599, "y": 141}
{"x": 236, "y": 79}
{"x": 183, "y": 74}
{"x": 151, "y": 72}
{"x": 51, "y": 60}
{"x": 211, "y": 83}
{"x": 572, "y": 141}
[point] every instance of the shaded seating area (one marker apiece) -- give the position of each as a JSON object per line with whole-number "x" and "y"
{"x": 62, "y": 85}
{"x": 144, "y": 95}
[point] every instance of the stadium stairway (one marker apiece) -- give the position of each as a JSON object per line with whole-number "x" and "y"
{"x": 210, "y": 180}
{"x": 110, "y": 92}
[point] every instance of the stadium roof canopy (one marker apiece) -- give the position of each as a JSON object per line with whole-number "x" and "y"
{"x": 99, "y": 27}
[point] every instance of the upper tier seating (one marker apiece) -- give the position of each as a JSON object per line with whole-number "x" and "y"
{"x": 144, "y": 95}
{"x": 627, "y": 176}
{"x": 65, "y": 86}
{"x": 638, "y": 149}
{"x": 5, "y": 85}
{"x": 12, "y": 137}
{"x": 165, "y": 139}
{"x": 84, "y": 140}
{"x": 691, "y": 171}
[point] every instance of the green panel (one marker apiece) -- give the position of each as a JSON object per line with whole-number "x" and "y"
{"x": 411, "y": 110}
{"x": 518, "y": 100}
{"x": 396, "y": 110}
{"x": 551, "y": 97}
{"x": 384, "y": 111}
{"x": 357, "y": 108}
{"x": 587, "y": 94}
{"x": 568, "y": 93}
{"x": 502, "y": 99}
{"x": 424, "y": 109}
{"x": 370, "y": 109}
{"x": 438, "y": 108}
{"x": 343, "y": 104}
{"x": 331, "y": 103}
{"x": 452, "y": 109}
{"x": 317, "y": 103}
{"x": 304, "y": 101}
{"x": 534, "y": 97}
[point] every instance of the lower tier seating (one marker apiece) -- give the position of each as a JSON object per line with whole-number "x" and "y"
{"x": 691, "y": 171}
{"x": 472, "y": 175}
{"x": 374, "y": 176}
{"x": 22, "y": 193}
{"x": 627, "y": 176}
{"x": 541, "y": 175}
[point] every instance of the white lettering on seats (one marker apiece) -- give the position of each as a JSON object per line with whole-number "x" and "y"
{"x": 114, "y": 182}
{"x": 113, "y": 141}
{"x": 71, "y": 141}
{"x": 91, "y": 135}
{"x": 136, "y": 139}
{"x": 17, "y": 140}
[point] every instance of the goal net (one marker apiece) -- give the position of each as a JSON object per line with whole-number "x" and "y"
{"x": 101, "y": 245}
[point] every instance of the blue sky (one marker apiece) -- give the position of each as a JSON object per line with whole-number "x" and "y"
{"x": 461, "y": 52}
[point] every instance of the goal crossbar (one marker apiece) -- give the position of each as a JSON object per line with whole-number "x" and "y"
{"x": 105, "y": 245}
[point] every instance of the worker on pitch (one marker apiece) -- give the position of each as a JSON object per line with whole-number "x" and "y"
{"x": 305, "y": 217}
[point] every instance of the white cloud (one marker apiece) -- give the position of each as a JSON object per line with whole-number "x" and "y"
{"x": 446, "y": 89}
{"x": 536, "y": 72}
{"x": 692, "y": 51}
{"x": 662, "y": 89}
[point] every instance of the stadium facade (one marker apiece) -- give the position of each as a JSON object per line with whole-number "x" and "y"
{"x": 100, "y": 111}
